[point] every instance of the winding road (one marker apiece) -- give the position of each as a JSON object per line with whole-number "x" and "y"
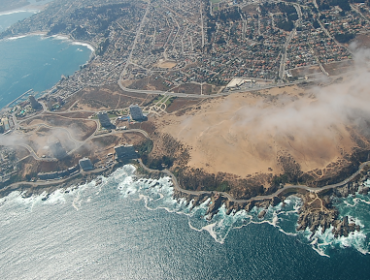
{"x": 256, "y": 198}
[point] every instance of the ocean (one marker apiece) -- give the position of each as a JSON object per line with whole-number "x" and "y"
{"x": 131, "y": 228}
{"x": 36, "y": 62}
{"x": 7, "y": 19}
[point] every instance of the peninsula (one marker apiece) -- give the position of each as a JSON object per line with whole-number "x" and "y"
{"x": 241, "y": 102}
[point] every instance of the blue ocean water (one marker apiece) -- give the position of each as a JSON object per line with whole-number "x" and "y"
{"x": 36, "y": 62}
{"x": 130, "y": 228}
{"x": 7, "y": 20}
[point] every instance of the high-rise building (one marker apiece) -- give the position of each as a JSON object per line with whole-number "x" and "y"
{"x": 86, "y": 164}
{"x": 125, "y": 152}
{"x": 104, "y": 120}
{"x": 136, "y": 113}
{"x": 34, "y": 103}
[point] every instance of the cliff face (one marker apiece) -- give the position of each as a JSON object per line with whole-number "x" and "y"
{"x": 316, "y": 213}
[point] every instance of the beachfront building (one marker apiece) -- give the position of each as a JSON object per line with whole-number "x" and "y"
{"x": 125, "y": 152}
{"x": 86, "y": 164}
{"x": 34, "y": 103}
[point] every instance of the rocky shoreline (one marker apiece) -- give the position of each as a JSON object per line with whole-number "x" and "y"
{"x": 37, "y": 188}
{"x": 316, "y": 213}
{"x": 327, "y": 215}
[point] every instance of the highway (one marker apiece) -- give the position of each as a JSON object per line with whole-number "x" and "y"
{"x": 188, "y": 95}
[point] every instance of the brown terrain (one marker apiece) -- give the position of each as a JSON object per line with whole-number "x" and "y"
{"x": 104, "y": 98}
{"x": 80, "y": 129}
{"x": 310, "y": 136}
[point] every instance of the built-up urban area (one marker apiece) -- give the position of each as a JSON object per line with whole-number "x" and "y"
{"x": 204, "y": 47}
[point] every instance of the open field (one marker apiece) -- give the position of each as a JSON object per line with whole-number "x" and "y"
{"x": 180, "y": 104}
{"x": 188, "y": 88}
{"x": 166, "y": 64}
{"x": 43, "y": 139}
{"x": 97, "y": 149}
{"x": 337, "y": 68}
{"x": 79, "y": 129}
{"x": 97, "y": 99}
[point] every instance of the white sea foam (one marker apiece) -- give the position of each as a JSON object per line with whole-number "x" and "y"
{"x": 61, "y": 37}
{"x": 35, "y": 11}
{"x": 158, "y": 194}
{"x": 91, "y": 48}
{"x": 17, "y": 37}
{"x": 56, "y": 37}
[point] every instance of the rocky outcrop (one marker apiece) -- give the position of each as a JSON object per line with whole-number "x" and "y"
{"x": 364, "y": 191}
{"x": 344, "y": 227}
{"x": 347, "y": 189}
{"x": 315, "y": 219}
{"x": 316, "y": 213}
{"x": 262, "y": 214}
{"x": 214, "y": 205}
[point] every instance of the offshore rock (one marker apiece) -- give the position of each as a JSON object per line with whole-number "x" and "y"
{"x": 262, "y": 214}
{"x": 364, "y": 191}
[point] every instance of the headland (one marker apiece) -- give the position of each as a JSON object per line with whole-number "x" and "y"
{"x": 243, "y": 135}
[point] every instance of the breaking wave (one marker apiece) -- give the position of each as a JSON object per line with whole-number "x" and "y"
{"x": 158, "y": 194}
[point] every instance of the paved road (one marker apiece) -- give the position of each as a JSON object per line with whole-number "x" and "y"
{"x": 188, "y": 95}
{"x": 80, "y": 143}
{"x": 16, "y": 185}
{"x": 256, "y": 198}
{"x": 135, "y": 40}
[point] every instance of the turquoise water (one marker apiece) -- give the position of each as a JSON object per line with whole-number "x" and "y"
{"x": 36, "y": 62}
{"x": 7, "y": 20}
{"x": 130, "y": 228}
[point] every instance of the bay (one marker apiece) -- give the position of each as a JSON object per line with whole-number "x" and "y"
{"x": 36, "y": 62}
{"x": 7, "y": 20}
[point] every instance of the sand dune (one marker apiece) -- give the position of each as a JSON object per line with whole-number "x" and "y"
{"x": 248, "y": 133}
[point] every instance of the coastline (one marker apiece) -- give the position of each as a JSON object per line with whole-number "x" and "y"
{"x": 30, "y": 8}
{"x": 217, "y": 198}
{"x": 17, "y": 11}
{"x": 91, "y": 46}
{"x": 308, "y": 218}
{"x": 68, "y": 39}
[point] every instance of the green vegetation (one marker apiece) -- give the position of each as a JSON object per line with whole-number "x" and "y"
{"x": 285, "y": 25}
{"x": 110, "y": 115}
{"x": 144, "y": 148}
{"x": 102, "y": 47}
{"x": 277, "y": 180}
{"x": 157, "y": 163}
{"x": 344, "y": 38}
{"x": 223, "y": 187}
{"x": 215, "y": 1}
{"x": 170, "y": 100}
